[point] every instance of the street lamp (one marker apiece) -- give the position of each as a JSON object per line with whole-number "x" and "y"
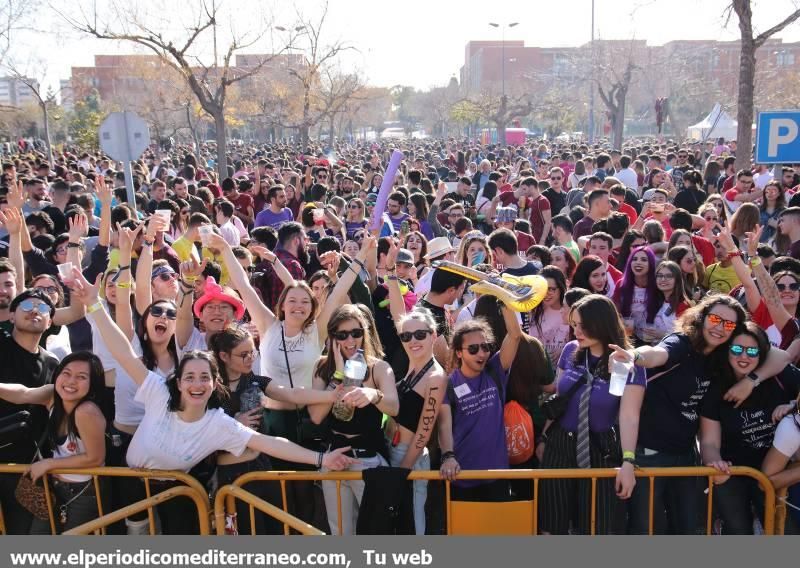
{"x": 503, "y": 51}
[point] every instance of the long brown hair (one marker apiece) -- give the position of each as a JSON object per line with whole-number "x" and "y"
{"x": 282, "y": 298}
{"x": 348, "y": 312}
{"x": 600, "y": 320}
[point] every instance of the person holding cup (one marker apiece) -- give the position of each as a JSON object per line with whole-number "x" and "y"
{"x": 586, "y": 434}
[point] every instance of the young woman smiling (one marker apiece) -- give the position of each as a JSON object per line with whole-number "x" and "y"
{"x": 637, "y": 296}
{"x": 564, "y": 502}
{"x": 591, "y": 275}
{"x": 74, "y": 437}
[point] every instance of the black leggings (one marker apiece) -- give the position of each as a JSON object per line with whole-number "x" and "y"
{"x": 269, "y": 491}
{"x": 567, "y": 502}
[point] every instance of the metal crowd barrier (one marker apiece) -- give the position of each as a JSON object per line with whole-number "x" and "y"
{"x": 520, "y": 517}
{"x": 190, "y": 488}
{"x": 515, "y": 517}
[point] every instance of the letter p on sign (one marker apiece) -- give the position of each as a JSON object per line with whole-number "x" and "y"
{"x": 778, "y": 137}
{"x": 781, "y": 131}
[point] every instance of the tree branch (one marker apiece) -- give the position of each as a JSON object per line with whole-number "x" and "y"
{"x": 765, "y": 35}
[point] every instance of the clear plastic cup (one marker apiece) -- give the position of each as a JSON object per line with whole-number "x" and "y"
{"x": 619, "y": 376}
{"x": 319, "y": 216}
{"x": 65, "y": 271}
{"x": 205, "y": 234}
{"x": 165, "y": 214}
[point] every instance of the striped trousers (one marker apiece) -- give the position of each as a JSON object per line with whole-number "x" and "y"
{"x": 565, "y": 504}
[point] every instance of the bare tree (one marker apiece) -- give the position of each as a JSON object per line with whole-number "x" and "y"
{"x": 13, "y": 14}
{"x": 319, "y": 56}
{"x": 45, "y": 100}
{"x": 747, "y": 73}
{"x": 209, "y": 83}
{"x": 614, "y": 99}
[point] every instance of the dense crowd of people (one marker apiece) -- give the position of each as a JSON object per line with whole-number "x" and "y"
{"x": 273, "y": 319}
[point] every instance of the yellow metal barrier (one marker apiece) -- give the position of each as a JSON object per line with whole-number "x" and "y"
{"x": 226, "y": 499}
{"x": 193, "y": 487}
{"x": 521, "y": 517}
{"x": 99, "y": 524}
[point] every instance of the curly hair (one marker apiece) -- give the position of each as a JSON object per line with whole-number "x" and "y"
{"x": 691, "y": 321}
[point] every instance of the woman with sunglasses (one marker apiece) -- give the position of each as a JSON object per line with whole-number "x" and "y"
{"x": 235, "y": 352}
{"x": 679, "y": 376}
{"x": 546, "y": 322}
{"x": 183, "y": 423}
{"x": 713, "y": 207}
{"x": 596, "y": 325}
{"x": 349, "y": 334}
{"x": 772, "y": 300}
{"x": 471, "y": 427}
{"x": 355, "y": 220}
{"x": 742, "y": 436}
{"x": 74, "y": 436}
{"x": 590, "y": 273}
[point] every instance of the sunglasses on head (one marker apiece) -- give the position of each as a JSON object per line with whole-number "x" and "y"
{"x": 419, "y": 335}
{"x": 356, "y": 333}
{"x": 794, "y": 287}
{"x": 28, "y": 306}
{"x": 715, "y": 320}
{"x": 751, "y": 352}
{"x": 473, "y": 349}
{"x": 169, "y": 313}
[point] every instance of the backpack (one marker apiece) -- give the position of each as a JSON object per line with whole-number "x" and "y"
{"x": 517, "y": 421}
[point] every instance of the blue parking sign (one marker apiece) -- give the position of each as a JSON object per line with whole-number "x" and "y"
{"x": 778, "y": 137}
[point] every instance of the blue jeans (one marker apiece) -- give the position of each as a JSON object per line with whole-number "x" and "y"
{"x": 675, "y": 499}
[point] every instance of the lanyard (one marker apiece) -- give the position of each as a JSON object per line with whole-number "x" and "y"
{"x": 406, "y": 385}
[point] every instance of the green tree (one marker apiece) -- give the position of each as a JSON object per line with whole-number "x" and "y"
{"x": 85, "y": 121}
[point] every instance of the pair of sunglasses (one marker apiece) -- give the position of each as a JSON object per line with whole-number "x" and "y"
{"x": 356, "y": 333}
{"x": 169, "y": 313}
{"x": 473, "y": 349}
{"x": 28, "y": 306}
{"x": 715, "y": 320}
{"x": 419, "y": 335}
{"x": 166, "y": 276}
{"x": 794, "y": 287}
{"x": 751, "y": 352}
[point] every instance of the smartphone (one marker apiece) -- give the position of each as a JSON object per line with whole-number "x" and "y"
{"x": 404, "y": 227}
{"x": 657, "y": 208}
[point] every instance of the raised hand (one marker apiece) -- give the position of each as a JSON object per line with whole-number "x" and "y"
{"x": 103, "y": 191}
{"x": 16, "y": 195}
{"x": 217, "y": 242}
{"x": 263, "y": 253}
{"x": 78, "y": 228}
{"x": 126, "y": 239}
{"x": 191, "y": 269}
{"x": 12, "y": 220}
{"x": 82, "y": 290}
{"x": 753, "y": 239}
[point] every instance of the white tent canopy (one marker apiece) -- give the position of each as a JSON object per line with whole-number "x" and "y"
{"x": 717, "y": 123}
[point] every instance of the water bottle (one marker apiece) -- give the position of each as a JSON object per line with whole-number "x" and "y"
{"x": 619, "y": 376}
{"x": 250, "y": 399}
{"x": 355, "y": 370}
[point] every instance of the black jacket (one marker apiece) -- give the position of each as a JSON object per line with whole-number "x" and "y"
{"x": 387, "y": 506}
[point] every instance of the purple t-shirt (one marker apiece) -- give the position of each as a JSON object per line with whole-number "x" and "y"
{"x": 267, "y": 218}
{"x": 479, "y": 434}
{"x": 603, "y": 406}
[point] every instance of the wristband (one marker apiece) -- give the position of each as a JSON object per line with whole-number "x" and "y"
{"x": 447, "y": 455}
{"x": 123, "y": 285}
{"x": 94, "y": 307}
{"x": 338, "y": 375}
{"x": 126, "y": 267}
{"x": 636, "y": 356}
{"x": 392, "y": 269}
{"x": 755, "y": 261}
{"x": 734, "y": 254}
{"x": 392, "y": 277}
{"x": 189, "y": 280}
{"x": 628, "y": 454}
{"x": 631, "y": 461}
{"x": 146, "y": 243}
{"x": 73, "y": 245}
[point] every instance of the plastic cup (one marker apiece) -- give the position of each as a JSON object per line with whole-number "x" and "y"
{"x": 165, "y": 214}
{"x": 205, "y": 234}
{"x": 319, "y": 216}
{"x": 619, "y": 376}
{"x": 65, "y": 271}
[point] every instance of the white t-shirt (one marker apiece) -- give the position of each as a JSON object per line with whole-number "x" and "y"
{"x": 304, "y": 352}
{"x": 553, "y": 333}
{"x": 230, "y": 234}
{"x": 197, "y": 342}
{"x": 628, "y": 178}
{"x": 164, "y": 441}
{"x": 787, "y": 437}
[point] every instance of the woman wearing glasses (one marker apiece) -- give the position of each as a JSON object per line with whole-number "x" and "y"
{"x": 742, "y": 436}
{"x": 234, "y": 350}
{"x": 355, "y": 217}
{"x": 420, "y": 396}
{"x": 691, "y": 267}
{"x": 349, "y": 333}
{"x": 771, "y": 299}
{"x": 596, "y": 325}
{"x": 471, "y": 429}
{"x": 679, "y": 376}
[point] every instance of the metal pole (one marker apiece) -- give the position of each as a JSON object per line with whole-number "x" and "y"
{"x": 503, "y": 55}
{"x": 591, "y": 86}
{"x": 128, "y": 168}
